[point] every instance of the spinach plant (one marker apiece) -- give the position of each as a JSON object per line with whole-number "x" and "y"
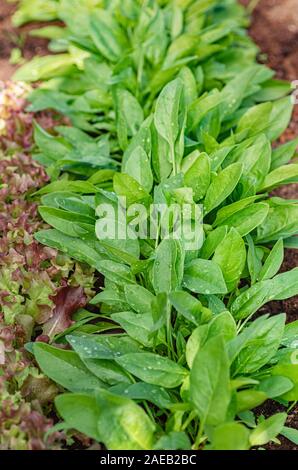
{"x": 169, "y": 106}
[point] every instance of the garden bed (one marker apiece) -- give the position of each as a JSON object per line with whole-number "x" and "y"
{"x": 275, "y": 30}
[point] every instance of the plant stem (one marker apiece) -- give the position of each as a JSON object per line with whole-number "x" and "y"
{"x": 169, "y": 331}
{"x": 241, "y": 324}
{"x": 199, "y": 436}
{"x": 157, "y": 235}
{"x": 187, "y": 422}
{"x": 292, "y": 406}
{"x": 173, "y": 159}
{"x": 149, "y": 412}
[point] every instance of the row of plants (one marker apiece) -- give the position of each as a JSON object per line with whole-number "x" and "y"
{"x": 39, "y": 287}
{"x": 168, "y": 106}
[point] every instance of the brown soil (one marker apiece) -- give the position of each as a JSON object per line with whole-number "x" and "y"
{"x": 275, "y": 30}
{"x": 11, "y": 37}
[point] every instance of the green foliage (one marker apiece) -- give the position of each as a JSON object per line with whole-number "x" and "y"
{"x": 168, "y": 105}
